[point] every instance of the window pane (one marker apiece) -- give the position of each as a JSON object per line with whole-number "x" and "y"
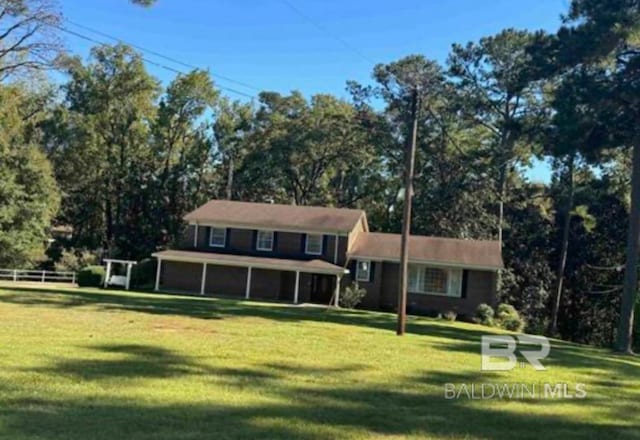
{"x": 363, "y": 270}
{"x": 455, "y": 284}
{"x": 218, "y": 237}
{"x": 265, "y": 240}
{"x": 314, "y": 244}
{"x": 435, "y": 280}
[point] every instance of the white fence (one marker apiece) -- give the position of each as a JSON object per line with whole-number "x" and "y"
{"x": 37, "y": 276}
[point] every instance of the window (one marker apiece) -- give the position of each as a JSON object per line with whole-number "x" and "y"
{"x": 435, "y": 281}
{"x": 363, "y": 271}
{"x": 264, "y": 241}
{"x": 217, "y": 237}
{"x": 313, "y": 245}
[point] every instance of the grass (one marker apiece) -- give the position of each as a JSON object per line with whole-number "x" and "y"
{"x": 82, "y": 363}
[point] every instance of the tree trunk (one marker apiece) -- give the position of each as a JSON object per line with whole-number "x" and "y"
{"x": 564, "y": 247}
{"x": 625, "y": 326}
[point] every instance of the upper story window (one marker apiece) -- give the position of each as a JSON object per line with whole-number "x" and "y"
{"x": 264, "y": 241}
{"x": 218, "y": 237}
{"x": 363, "y": 271}
{"x": 313, "y": 245}
{"x": 435, "y": 281}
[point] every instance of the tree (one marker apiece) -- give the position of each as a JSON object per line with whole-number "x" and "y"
{"x": 495, "y": 90}
{"x": 603, "y": 35}
{"x": 28, "y": 190}
{"x": 233, "y": 124}
{"x": 182, "y": 146}
{"x": 99, "y": 141}
{"x": 28, "y": 38}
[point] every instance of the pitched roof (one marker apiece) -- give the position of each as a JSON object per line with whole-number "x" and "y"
{"x": 484, "y": 254}
{"x": 313, "y": 266}
{"x": 274, "y": 216}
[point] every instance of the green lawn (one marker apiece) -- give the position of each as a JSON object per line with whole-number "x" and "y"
{"x": 95, "y": 364}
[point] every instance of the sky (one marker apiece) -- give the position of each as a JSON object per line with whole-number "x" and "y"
{"x": 314, "y": 46}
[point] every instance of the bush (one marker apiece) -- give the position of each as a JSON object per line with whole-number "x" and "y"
{"x": 508, "y": 318}
{"x": 450, "y": 315}
{"x": 143, "y": 274}
{"x": 91, "y": 276}
{"x": 74, "y": 260}
{"x": 484, "y": 315}
{"x": 351, "y": 296}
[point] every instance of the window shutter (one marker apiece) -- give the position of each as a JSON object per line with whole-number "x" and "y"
{"x": 465, "y": 280}
{"x": 303, "y": 243}
{"x": 227, "y": 238}
{"x": 372, "y": 271}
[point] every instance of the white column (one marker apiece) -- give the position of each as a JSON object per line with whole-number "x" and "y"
{"x": 158, "y": 275}
{"x": 195, "y": 237}
{"x": 297, "y": 288}
{"x": 204, "y": 278}
{"x": 128, "y": 282}
{"x": 337, "y": 294}
{"x": 247, "y": 292}
{"x": 108, "y": 274}
{"x": 335, "y": 249}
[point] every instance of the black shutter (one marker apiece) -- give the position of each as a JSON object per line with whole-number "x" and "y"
{"x": 274, "y": 248}
{"x": 303, "y": 243}
{"x": 465, "y": 275}
{"x": 227, "y": 239}
{"x": 352, "y": 269}
{"x": 372, "y": 271}
{"x": 325, "y": 248}
{"x": 255, "y": 240}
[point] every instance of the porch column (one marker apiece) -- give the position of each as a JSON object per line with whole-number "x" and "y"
{"x": 204, "y": 278}
{"x": 335, "y": 249}
{"x": 337, "y": 294}
{"x": 195, "y": 237}
{"x": 158, "y": 275}
{"x": 247, "y": 291}
{"x": 128, "y": 282}
{"x": 108, "y": 274}
{"x": 297, "y": 288}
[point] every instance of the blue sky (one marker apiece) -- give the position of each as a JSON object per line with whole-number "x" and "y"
{"x": 286, "y": 45}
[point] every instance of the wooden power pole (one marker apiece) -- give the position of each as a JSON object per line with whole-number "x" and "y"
{"x": 410, "y": 157}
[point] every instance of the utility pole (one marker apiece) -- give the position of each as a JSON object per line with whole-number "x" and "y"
{"x": 410, "y": 157}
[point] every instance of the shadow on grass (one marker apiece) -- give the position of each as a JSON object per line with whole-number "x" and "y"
{"x": 460, "y": 339}
{"x": 295, "y": 409}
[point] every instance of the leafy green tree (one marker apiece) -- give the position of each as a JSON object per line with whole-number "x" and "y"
{"x": 28, "y": 192}
{"x": 182, "y": 150}
{"x": 99, "y": 142}
{"x": 493, "y": 80}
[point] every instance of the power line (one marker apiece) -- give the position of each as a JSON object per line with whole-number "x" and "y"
{"x": 162, "y": 66}
{"x": 158, "y": 54}
{"x": 322, "y": 28}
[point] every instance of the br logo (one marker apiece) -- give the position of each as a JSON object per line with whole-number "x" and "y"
{"x": 504, "y": 347}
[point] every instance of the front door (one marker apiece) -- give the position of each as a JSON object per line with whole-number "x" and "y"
{"x": 321, "y": 288}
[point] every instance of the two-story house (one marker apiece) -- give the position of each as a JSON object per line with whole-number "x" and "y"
{"x": 308, "y": 254}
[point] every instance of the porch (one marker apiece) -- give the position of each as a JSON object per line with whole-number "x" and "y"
{"x": 249, "y": 277}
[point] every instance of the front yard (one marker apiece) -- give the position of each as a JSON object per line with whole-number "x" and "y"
{"x": 80, "y": 364}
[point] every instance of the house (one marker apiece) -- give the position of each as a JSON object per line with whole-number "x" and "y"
{"x": 308, "y": 254}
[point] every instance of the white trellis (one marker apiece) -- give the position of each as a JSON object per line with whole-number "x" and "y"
{"x": 118, "y": 280}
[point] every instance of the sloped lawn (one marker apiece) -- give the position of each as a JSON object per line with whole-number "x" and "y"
{"x": 95, "y": 364}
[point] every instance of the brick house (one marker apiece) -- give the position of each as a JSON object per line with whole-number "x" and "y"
{"x": 308, "y": 254}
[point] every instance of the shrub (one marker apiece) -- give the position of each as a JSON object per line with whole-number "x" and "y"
{"x": 143, "y": 274}
{"x": 484, "y": 315}
{"x": 75, "y": 259}
{"x": 351, "y": 296}
{"x": 508, "y": 318}
{"x": 450, "y": 315}
{"x": 91, "y": 276}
